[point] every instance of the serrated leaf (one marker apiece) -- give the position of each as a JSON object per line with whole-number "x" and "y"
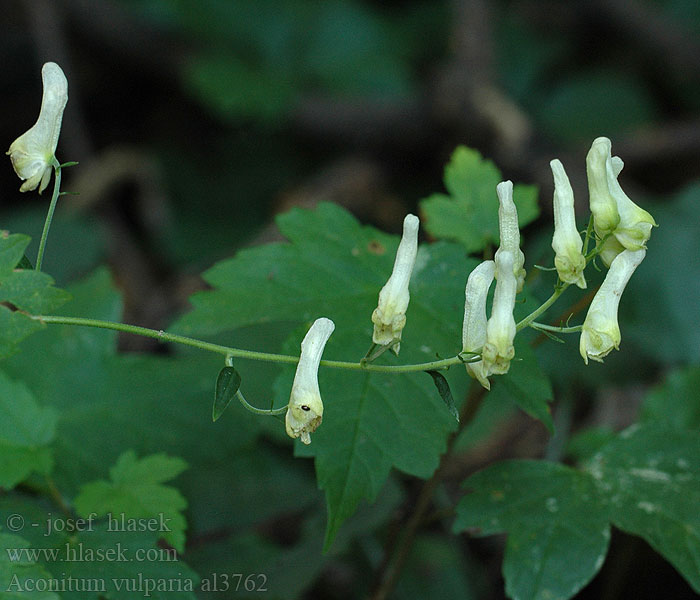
{"x": 443, "y": 389}
{"x": 650, "y": 476}
{"x": 469, "y": 214}
{"x": 371, "y": 423}
{"x": 19, "y": 573}
{"x": 336, "y": 268}
{"x": 227, "y": 384}
{"x": 26, "y": 430}
{"x": 32, "y": 291}
{"x": 136, "y": 492}
{"x": 12, "y": 247}
{"x": 558, "y": 531}
{"x": 526, "y": 385}
{"x": 27, "y": 290}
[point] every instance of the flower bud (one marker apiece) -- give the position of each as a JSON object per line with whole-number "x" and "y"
{"x": 305, "y": 410}
{"x": 566, "y": 242}
{"x": 32, "y": 153}
{"x": 474, "y": 327}
{"x": 509, "y": 231}
{"x": 500, "y": 329}
{"x": 601, "y": 332}
{"x": 389, "y": 317}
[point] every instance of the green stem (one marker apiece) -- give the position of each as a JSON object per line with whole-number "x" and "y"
{"x": 259, "y": 411}
{"x": 49, "y": 215}
{"x": 240, "y": 353}
{"x": 558, "y": 291}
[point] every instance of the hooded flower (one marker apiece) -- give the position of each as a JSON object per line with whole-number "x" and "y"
{"x": 601, "y": 332}
{"x": 32, "y": 153}
{"x": 389, "y": 317}
{"x": 474, "y": 327}
{"x": 566, "y": 242}
{"x": 305, "y": 411}
{"x": 613, "y": 211}
{"x": 500, "y": 329}
{"x": 509, "y": 231}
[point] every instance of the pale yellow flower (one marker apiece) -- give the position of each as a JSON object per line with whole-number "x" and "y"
{"x": 566, "y": 241}
{"x": 601, "y": 332}
{"x": 32, "y": 153}
{"x": 509, "y": 231}
{"x": 500, "y": 329}
{"x": 389, "y": 317}
{"x": 613, "y": 211}
{"x": 474, "y": 326}
{"x": 305, "y": 410}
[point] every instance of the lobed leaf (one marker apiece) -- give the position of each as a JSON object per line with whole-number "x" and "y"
{"x": 558, "y": 532}
{"x": 25, "y": 290}
{"x": 468, "y": 214}
{"x": 136, "y": 492}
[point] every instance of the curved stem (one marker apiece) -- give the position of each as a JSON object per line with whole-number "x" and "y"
{"x": 49, "y": 215}
{"x": 558, "y": 291}
{"x": 239, "y": 352}
{"x": 259, "y": 411}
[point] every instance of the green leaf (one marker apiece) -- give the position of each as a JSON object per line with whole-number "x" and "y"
{"x": 558, "y": 532}
{"x": 26, "y": 430}
{"x": 584, "y": 444}
{"x": 443, "y": 389}
{"x": 371, "y": 423}
{"x": 32, "y": 291}
{"x": 136, "y": 493}
{"x": 651, "y": 477}
{"x": 676, "y": 402}
{"x": 26, "y": 290}
{"x": 12, "y": 247}
{"x": 469, "y": 214}
{"x": 19, "y": 573}
{"x": 227, "y": 384}
{"x": 526, "y": 385}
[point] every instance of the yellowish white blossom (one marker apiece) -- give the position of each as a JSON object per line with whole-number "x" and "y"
{"x": 509, "y": 231}
{"x": 389, "y": 317}
{"x": 498, "y": 350}
{"x": 474, "y": 326}
{"x": 566, "y": 242}
{"x": 613, "y": 211}
{"x": 601, "y": 332}
{"x": 305, "y": 410}
{"x": 32, "y": 153}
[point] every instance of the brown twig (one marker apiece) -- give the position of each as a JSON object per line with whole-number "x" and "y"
{"x": 389, "y": 571}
